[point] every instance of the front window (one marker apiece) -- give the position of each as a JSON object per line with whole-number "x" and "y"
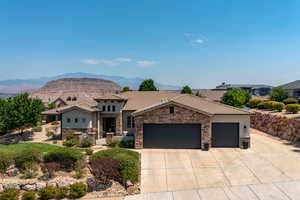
{"x": 129, "y": 123}
{"x": 76, "y": 120}
{"x": 114, "y": 108}
{"x": 108, "y": 108}
{"x": 103, "y": 108}
{"x": 68, "y": 120}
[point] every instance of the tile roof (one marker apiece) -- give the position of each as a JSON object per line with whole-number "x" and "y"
{"x": 88, "y": 106}
{"x": 110, "y": 97}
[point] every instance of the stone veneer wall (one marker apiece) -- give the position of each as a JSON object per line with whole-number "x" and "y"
{"x": 277, "y": 125}
{"x": 181, "y": 115}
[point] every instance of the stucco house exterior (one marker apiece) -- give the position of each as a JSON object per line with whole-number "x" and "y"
{"x": 159, "y": 119}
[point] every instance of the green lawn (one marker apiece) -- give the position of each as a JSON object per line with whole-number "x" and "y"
{"x": 39, "y": 146}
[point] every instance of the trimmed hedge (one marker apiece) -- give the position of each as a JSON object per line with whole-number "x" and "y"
{"x": 269, "y": 105}
{"x": 77, "y": 190}
{"x": 27, "y": 156}
{"x": 278, "y": 106}
{"x": 292, "y": 108}
{"x": 47, "y": 193}
{"x": 129, "y": 162}
{"x": 253, "y": 103}
{"x": 66, "y": 157}
{"x": 30, "y": 195}
{"x": 290, "y": 101}
{"x": 10, "y": 194}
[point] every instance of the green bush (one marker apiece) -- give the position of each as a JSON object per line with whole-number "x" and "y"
{"x": 261, "y": 105}
{"x": 54, "y": 123}
{"x": 269, "y": 105}
{"x": 10, "y": 194}
{"x": 5, "y": 161}
{"x": 253, "y": 103}
{"x": 27, "y": 156}
{"x": 292, "y": 108}
{"x": 61, "y": 192}
{"x": 30, "y": 170}
{"x": 290, "y": 101}
{"x": 66, "y": 157}
{"x": 30, "y": 195}
{"x": 77, "y": 190}
{"x": 37, "y": 129}
{"x": 47, "y": 193}
{"x": 113, "y": 142}
{"x": 85, "y": 142}
{"x": 278, "y": 94}
{"x": 89, "y": 152}
{"x": 236, "y": 98}
{"x": 127, "y": 144}
{"x": 71, "y": 143}
{"x": 50, "y": 134}
{"x": 278, "y": 106}
{"x": 129, "y": 161}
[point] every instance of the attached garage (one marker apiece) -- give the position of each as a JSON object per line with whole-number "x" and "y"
{"x": 225, "y": 134}
{"x": 172, "y": 136}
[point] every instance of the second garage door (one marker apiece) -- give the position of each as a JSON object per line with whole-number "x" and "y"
{"x": 172, "y": 136}
{"x": 225, "y": 134}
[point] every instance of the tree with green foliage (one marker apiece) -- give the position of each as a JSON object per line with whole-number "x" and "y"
{"x": 51, "y": 106}
{"x": 126, "y": 89}
{"x": 279, "y": 94}
{"x": 186, "y": 90}
{"x": 236, "y": 98}
{"x": 147, "y": 85}
{"x": 19, "y": 112}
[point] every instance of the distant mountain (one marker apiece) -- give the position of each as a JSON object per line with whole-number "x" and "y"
{"x": 29, "y": 85}
{"x": 3, "y": 95}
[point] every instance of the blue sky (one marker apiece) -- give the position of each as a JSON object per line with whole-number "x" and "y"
{"x": 195, "y": 42}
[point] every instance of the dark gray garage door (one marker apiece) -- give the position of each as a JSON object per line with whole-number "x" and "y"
{"x": 172, "y": 136}
{"x": 225, "y": 134}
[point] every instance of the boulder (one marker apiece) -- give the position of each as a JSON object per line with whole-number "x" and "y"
{"x": 1, "y": 188}
{"x": 40, "y": 185}
{"x": 29, "y": 187}
{"x": 12, "y": 172}
{"x": 12, "y": 186}
{"x": 64, "y": 183}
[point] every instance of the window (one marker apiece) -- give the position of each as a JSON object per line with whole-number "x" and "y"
{"x": 68, "y": 120}
{"x": 103, "y": 108}
{"x": 171, "y": 109}
{"x": 108, "y": 108}
{"x": 74, "y": 99}
{"x": 114, "y": 108}
{"x": 133, "y": 124}
{"x": 83, "y": 120}
{"x": 129, "y": 122}
{"x": 76, "y": 120}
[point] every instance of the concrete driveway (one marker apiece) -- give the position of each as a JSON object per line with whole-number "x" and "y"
{"x": 268, "y": 161}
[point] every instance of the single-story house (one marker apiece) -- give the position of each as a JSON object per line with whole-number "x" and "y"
{"x": 293, "y": 89}
{"x": 159, "y": 119}
{"x": 254, "y": 89}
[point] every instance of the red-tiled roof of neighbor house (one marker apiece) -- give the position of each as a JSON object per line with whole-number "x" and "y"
{"x": 87, "y": 106}
{"x": 198, "y": 104}
{"x": 110, "y": 97}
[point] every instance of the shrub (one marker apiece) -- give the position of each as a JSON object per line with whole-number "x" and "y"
{"x": 106, "y": 169}
{"x": 49, "y": 134}
{"x": 37, "y": 129}
{"x": 127, "y": 144}
{"x": 61, "y": 192}
{"x": 5, "y": 161}
{"x": 236, "y": 98}
{"x": 30, "y": 195}
{"x": 253, "y": 103}
{"x": 47, "y": 193}
{"x": 113, "y": 142}
{"x": 26, "y": 156}
{"x": 50, "y": 168}
{"x": 55, "y": 123}
{"x": 89, "y": 151}
{"x": 292, "y": 108}
{"x": 77, "y": 190}
{"x": 85, "y": 142}
{"x": 290, "y": 101}
{"x": 70, "y": 143}
{"x": 278, "y": 106}
{"x": 129, "y": 162}
{"x": 9, "y": 194}
{"x": 66, "y": 157}
{"x": 30, "y": 170}
{"x": 261, "y": 105}
{"x": 268, "y": 105}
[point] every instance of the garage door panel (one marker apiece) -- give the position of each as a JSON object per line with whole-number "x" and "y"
{"x": 173, "y": 136}
{"x": 225, "y": 134}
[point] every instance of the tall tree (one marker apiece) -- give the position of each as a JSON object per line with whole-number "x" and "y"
{"x": 147, "y": 85}
{"x": 279, "y": 94}
{"x": 236, "y": 98}
{"x": 126, "y": 89}
{"x": 186, "y": 90}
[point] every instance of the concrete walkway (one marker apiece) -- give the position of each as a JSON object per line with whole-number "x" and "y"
{"x": 275, "y": 191}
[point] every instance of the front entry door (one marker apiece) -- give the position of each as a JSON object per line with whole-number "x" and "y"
{"x": 109, "y": 125}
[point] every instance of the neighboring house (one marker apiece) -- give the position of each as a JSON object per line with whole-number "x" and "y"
{"x": 254, "y": 89}
{"x": 159, "y": 119}
{"x": 293, "y": 89}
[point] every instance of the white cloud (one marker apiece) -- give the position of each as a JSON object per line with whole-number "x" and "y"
{"x": 198, "y": 41}
{"x": 89, "y": 61}
{"x": 195, "y": 39}
{"x": 144, "y": 63}
{"x": 123, "y": 60}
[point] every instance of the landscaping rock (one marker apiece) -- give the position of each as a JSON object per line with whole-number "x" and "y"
{"x": 29, "y": 187}
{"x": 64, "y": 184}
{"x": 40, "y": 185}
{"x": 12, "y": 172}
{"x": 11, "y": 186}
{"x": 52, "y": 184}
{"x": 1, "y": 188}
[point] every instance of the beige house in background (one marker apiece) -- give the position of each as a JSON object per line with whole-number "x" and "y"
{"x": 158, "y": 119}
